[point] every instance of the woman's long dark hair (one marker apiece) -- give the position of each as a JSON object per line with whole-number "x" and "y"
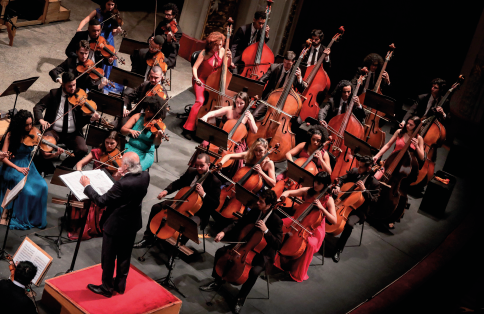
{"x": 318, "y": 130}
{"x": 17, "y": 130}
{"x": 338, "y": 91}
{"x": 322, "y": 177}
{"x": 403, "y": 130}
{"x": 112, "y": 135}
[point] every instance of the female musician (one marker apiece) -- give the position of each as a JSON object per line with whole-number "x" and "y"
{"x": 30, "y": 208}
{"x": 93, "y": 228}
{"x": 298, "y": 268}
{"x": 143, "y": 143}
{"x": 207, "y": 62}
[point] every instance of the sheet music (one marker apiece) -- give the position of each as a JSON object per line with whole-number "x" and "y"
{"x": 12, "y": 195}
{"x": 28, "y": 252}
{"x": 100, "y": 182}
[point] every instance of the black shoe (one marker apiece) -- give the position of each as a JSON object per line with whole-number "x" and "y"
{"x": 187, "y": 134}
{"x": 99, "y": 290}
{"x": 142, "y": 244}
{"x": 213, "y": 286}
{"x": 118, "y": 291}
{"x": 238, "y": 305}
{"x": 336, "y": 256}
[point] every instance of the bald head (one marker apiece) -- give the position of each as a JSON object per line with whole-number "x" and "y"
{"x": 131, "y": 162}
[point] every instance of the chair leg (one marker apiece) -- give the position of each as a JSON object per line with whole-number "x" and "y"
{"x": 361, "y": 236}
{"x": 156, "y": 151}
{"x": 203, "y": 234}
{"x": 324, "y": 251}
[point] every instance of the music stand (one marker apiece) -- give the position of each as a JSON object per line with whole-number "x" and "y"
{"x": 311, "y": 122}
{"x": 96, "y": 136}
{"x": 246, "y": 197}
{"x": 12, "y": 195}
{"x": 18, "y": 87}
{"x": 299, "y": 175}
{"x": 113, "y": 106}
{"x": 185, "y": 227}
{"x": 126, "y": 78}
{"x": 358, "y": 146}
{"x": 381, "y": 103}
{"x": 129, "y": 45}
{"x": 212, "y": 134}
{"x": 251, "y": 87}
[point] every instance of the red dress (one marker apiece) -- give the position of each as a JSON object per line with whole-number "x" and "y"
{"x": 302, "y": 154}
{"x": 298, "y": 268}
{"x": 399, "y": 144}
{"x": 204, "y": 70}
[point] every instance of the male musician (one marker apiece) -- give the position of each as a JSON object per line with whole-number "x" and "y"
{"x": 370, "y": 189}
{"x": 120, "y": 222}
{"x": 317, "y": 49}
{"x": 66, "y": 129}
{"x": 209, "y": 191}
{"x": 272, "y": 228}
{"x": 70, "y": 65}
{"x": 245, "y": 36}
{"x": 276, "y": 77}
{"x": 374, "y": 63}
{"x": 12, "y": 293}
{"x": 339, "y": 103}
{"x": 427, "y": 103}
{"x": 171, "y": 44}
{"x": 139, "y": 57}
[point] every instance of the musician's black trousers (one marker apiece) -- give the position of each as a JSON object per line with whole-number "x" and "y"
{"x": 353, "y": 219}
{"x": 259, "y": 264}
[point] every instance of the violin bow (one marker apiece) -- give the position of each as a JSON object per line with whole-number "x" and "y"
{"x": 113, "y": 157}
{"x": 146, "y": 95}
{"x": 36, "y": 147}
{"x": 88, "y": 69}
{"x": 156, "y": 12}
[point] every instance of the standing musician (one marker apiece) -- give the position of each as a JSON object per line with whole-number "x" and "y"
{"x": 275, "y": 78}
{"x": 70, "y": 65}
{"x": 298, "y": 268}
{"x": 317, "y": 49}
{"x": 171, "y": 44}
{"x": 370, "y": 189}
{"x": 339, "y": 103}
{"x": 272, "y": 229}
{"x": 140, "y": 57}
{"x": 245, "y": 36}
{"x": 209, "y": 191}
{"x": 120, "y": 222}
{"x": 428, "y": 102}
{"x": 374, "y": 63}
{"x": 67, "y": 130}
{"x": 12, "y": 293}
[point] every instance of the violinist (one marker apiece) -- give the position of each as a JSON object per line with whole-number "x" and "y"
{"x": 140, "y": 57}
{"x": 272, "y": 229}
{"x": 172, "y": 32}
{"x": 31, "y": 206}
{"x": 68, "y": 129}
{"x": 275, "y": 78}
{"x": 370, "y": 190}
{"x": 12, "y": 293}
{"x": 339, "y": 102}
{"x": 209, "y": 191}
{"x": 246, "y": 35}
{"x": 317, "y": 49}
{"x": 298, "y": 267}
{"x": 374, "y": 63}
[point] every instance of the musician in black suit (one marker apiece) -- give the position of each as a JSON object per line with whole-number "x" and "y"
{"x": 12, "y": 293}
{"x": 171, "y": 44}
{"x": 317, "y": 49}
{"x": 370, "y": 189}
{"x": 427, "y": 103}
{"x": 245, "y": 36}
{"x": 67, "y": 130}
{"x": 209, "y": 190}
{"x": 272, "y": 228}
{"x": 276, "y": 77}
{"x": 120, "y": 222}
{"x": 139, "y": 57}
{"x": 374, "y": 63}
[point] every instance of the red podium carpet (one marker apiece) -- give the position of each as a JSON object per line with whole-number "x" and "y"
{"x": 69, "y": 294}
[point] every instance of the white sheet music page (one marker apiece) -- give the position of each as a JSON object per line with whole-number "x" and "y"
{"x": 28, "y": 251}
{"x": 100, "y": 182}
{"x": 12, "y": 195}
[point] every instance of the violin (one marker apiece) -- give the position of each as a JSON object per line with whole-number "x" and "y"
{"x": 170, "y": 28}
{"x": 155, "y": 126}
{"x": 46, "y": 143}
{"x": 6, "y": 154}
{"x": 158, "y": 59}
{"x": 156, "y": 90}
{"x": 94, "y": 73}
{"x": 87, "y": 106}
{"x": 106, "y": 50}
{"x": 113, "y": 159}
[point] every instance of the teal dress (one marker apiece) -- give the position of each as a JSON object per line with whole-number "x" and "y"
{"x": 30, "y": 208}
{"x": 143, "y": 145}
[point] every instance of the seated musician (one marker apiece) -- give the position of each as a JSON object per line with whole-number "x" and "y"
{"x": 93, "y": 227}
{"x": 141, "y": 139}
{"x": 12, "y": 293}
{"x": 370, "y": 190}
{"x": 245, "y": 36}
{"x": 30, "y": 208}
{"x": 317, "y": 49}
{"x": 171, "y": 44}
{"x": 272, "y": 228}
{"x": 427, "y": 103}
{"x": 208, "y": 61}
{"x": 374, "y": 63}
{"x": 298, "y": 268}
{"x": 209, "y": 191}
{"x": 276, "y": 77}
{"x": 401, "y": 137}
{"x": 140, "y": 57}
{"x": 67, "y": 129}
{"x": 70, "y": 65}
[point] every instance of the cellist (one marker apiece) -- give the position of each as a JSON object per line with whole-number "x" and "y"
{"x": 370, "y": 191}
{"x": 374, "y": 63}
{"x": 209, "y": 190}
{"x": 272, "y": 229}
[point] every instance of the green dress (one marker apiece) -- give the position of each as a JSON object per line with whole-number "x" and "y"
{"x": 143, "y": 145}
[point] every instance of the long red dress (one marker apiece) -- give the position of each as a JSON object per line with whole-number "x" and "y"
{"x": 204, "y": 70}
{"x": 399, "y": 144}
{"x": 303, "y": 154}
{"x": 298, "y": 268}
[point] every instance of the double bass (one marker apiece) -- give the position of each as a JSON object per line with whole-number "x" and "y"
{"x": 337, "y": 127}
{"x": 283, "y": 103}
{"x": 317, "y": 80}
{"x": 373, "y": 134}
{"x": 258, "y": 57}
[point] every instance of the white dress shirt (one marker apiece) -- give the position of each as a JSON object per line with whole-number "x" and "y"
{"x": 315, "y": 50}
{"x": 71, "y": 127}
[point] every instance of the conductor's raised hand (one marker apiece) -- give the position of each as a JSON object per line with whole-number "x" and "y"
{"x": 219, "y": 236}
{"x": 162, "y": 194}
{"x": 85, "y": 181}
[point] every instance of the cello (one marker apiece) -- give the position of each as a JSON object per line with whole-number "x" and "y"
{"x": 283, "y": 103}
{"x": 373, "y": 134}
{"x": 337, "y": 127}
{"x": 258, "y": 57}
{"x": 433, "y": 134}
{"x": 219, "y": 81}
{"x": 317, "y": 80}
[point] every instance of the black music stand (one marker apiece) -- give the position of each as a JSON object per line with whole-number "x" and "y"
{"x": 246, "y": 197}
{"x": 129, "y": 45}
{"x": 381, "y": 103}
{"x": 3, "y": 252}
{"x": 185, "y": 227}
{"x": 299, "y": 175}
{"x": 311, "y": 122}
{"x": 251, "y": 87}
{"x": 358, "y": 146}
{"x": 113, "y": 106}
{"x": 16, "y": 88}
{"x": 212, "y": 134}
{"x": 126, "y": 78}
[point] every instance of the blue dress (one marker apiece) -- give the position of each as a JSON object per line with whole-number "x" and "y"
{"x": 143, "y": 145}
{"x": 30, "y": 208}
